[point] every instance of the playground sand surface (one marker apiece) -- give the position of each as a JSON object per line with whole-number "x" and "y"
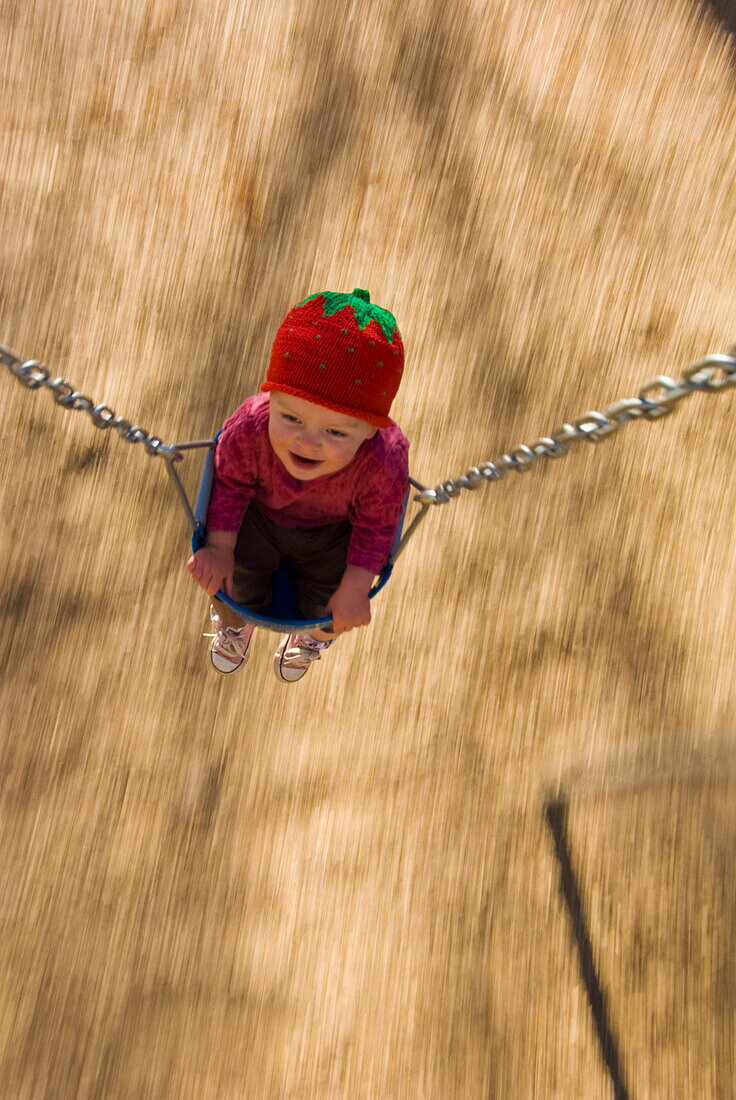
{"x": 227, "y": 888}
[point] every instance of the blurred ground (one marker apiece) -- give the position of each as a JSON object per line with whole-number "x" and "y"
{"x": 223, "y": 889}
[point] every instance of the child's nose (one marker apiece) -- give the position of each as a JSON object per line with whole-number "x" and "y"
{"x": 309, "y": 438}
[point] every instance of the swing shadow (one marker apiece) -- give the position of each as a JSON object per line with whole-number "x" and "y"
{"x": 659, "y": 922}
{"x": 556, "y": 817}
{"x": 725, "y": 13}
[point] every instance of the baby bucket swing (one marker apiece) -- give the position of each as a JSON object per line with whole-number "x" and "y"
{"x": 283, "y": 613}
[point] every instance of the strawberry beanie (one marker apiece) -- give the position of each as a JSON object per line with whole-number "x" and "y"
{"x": 340, "y": 351}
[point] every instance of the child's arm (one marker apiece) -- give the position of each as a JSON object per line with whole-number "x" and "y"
{"x": 232, "y": 489}
{"x": 375, "y": 519}
{"x": 378, "y": 504}
{"x": 212, "y": 566}
{"x": 349, "y": 604}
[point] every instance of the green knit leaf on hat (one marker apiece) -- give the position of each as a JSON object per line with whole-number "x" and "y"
{"x": 363, "y": 309}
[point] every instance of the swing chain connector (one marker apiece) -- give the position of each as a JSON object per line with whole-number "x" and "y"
{"x": 658, "y": 398}
{"x": 34, "y": 375}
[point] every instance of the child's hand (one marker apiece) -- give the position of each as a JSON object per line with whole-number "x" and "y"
{"x": 348, "y": 609}
{"x": 212, "y": 568}
{"x": 349, "y": 604}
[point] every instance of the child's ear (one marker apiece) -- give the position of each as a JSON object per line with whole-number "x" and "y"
{"x": 372, "y": 432}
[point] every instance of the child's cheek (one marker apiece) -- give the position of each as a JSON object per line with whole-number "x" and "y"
{"x": 348, "y": 451}
{"x": 279, "y": 434}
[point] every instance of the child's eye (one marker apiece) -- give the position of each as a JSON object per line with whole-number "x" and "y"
{"x": 336, "y": 432}
{"x": 290, "y": 418}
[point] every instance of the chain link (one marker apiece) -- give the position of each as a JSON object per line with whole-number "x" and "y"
{"x": 34, "y": 375}
{"x": 659, "y": 397}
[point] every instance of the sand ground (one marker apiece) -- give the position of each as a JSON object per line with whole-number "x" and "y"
{"x": 227, "y": 888}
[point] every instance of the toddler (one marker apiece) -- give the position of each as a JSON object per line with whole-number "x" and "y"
{"x": 313, "y": 470}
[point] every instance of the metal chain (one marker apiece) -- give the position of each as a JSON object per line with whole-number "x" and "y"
{"x": 34, "y": 375}
{"x": 712, "y": 374}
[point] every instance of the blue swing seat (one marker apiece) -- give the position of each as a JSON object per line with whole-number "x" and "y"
{"x": 283, "y": 614}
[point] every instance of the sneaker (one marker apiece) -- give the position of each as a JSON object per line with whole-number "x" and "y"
{"x": 229, "y": 649}
{"x": 295, "y": 655}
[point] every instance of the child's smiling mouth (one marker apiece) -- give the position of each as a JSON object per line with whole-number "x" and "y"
{"x": 298, "y": 460}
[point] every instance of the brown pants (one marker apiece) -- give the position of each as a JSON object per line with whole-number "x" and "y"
{"x": 317, "y": 559}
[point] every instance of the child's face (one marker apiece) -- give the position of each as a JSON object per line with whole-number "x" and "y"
{"x": 311, "y": 440}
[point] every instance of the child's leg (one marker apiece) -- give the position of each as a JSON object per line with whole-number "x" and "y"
{"x": 318, "y": 564}
{"x": 318, "y": 559}
{"x": 257, "y": 555}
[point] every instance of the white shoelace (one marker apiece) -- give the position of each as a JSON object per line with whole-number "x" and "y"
{"x": 231, "y": 641}
{"x": 305, "y": 650}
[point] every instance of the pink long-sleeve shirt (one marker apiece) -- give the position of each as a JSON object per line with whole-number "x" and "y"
{"x": 369, "y": 491}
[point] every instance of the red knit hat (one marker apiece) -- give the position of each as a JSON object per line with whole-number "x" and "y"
{"x": 340, "y": 351}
